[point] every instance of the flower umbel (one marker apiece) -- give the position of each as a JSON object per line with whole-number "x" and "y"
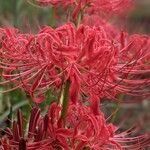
{"x": 87, "y": 56}
{"x": 83, "y": 61}
{"x": 83, "y": 129}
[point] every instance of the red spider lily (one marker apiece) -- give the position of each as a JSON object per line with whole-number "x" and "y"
{"x": 135, "y": 53}
{"x": 92, "y": 132}
{"x": 42, "y": 133}
{"x": 36, "y": 138}
{"x": 110, "y": 7}
{"x": 20, "y": 55}
{"x": 91, "y": 6}
{"x": 89, "y": 129}
{"x": 86, "y": 56}
{"x": 83, "y": 129}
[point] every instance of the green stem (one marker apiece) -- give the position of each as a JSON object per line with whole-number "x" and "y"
{"x": 79, "y": 19}
{"x": 51, "y": 17}
{"x": 64, "y": 100}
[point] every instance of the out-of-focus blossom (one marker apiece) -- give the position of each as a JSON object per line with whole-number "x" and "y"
{"x": 83, "y": 129}
{"x": 110, "y": 7}
{"x": 101, "y": 7}
{"x": 87, "y": 56}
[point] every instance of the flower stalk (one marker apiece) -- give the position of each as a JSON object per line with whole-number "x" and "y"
{"x": 64, "y": 100}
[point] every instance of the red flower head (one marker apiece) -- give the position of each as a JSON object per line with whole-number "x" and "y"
{"x": 91, "y": 131}
{"x": 101, "y": 7}
{"x": 83, "y": 129}
{"x": 135, "y": 52}
{"x": 110, "y": 7}
{"x": 87, "y": 56}
{"x": 84, "y": 55}
{"x": 36, "y": 137}
{"x": 43, "y": 132}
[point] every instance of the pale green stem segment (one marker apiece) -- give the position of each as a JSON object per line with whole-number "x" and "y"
{"x": 64, "y": 100}
{"x": 79, "y": 19}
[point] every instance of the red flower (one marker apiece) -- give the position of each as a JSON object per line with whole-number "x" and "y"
{"x": 101, "y": 7}
{"x": 43, "y": 133}
{"x": 92, "y": 132}
{"x": 36, "y": 62}
{"x": 88, "y": 56}
{"x": 83, "y": 129}
{"x": 134, "y": 64}
{"x": 110, "y": 7}
{"x": 36, "y": 137}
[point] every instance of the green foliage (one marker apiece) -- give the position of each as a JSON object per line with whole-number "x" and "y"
{"x": 21, "y": 14}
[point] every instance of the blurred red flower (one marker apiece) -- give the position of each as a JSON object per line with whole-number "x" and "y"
{"x": 101, "y": 7}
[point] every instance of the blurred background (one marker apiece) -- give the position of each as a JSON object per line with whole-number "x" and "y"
{"x": 29, "y": 18}
{"x": 139, "y": 18}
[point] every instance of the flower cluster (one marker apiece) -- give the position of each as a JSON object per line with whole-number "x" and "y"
{"x": 84, "y": 61}
{"x": 83, "y": 130}
{"x": 87, "y": 56}
{"x": 91, "y": 6}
